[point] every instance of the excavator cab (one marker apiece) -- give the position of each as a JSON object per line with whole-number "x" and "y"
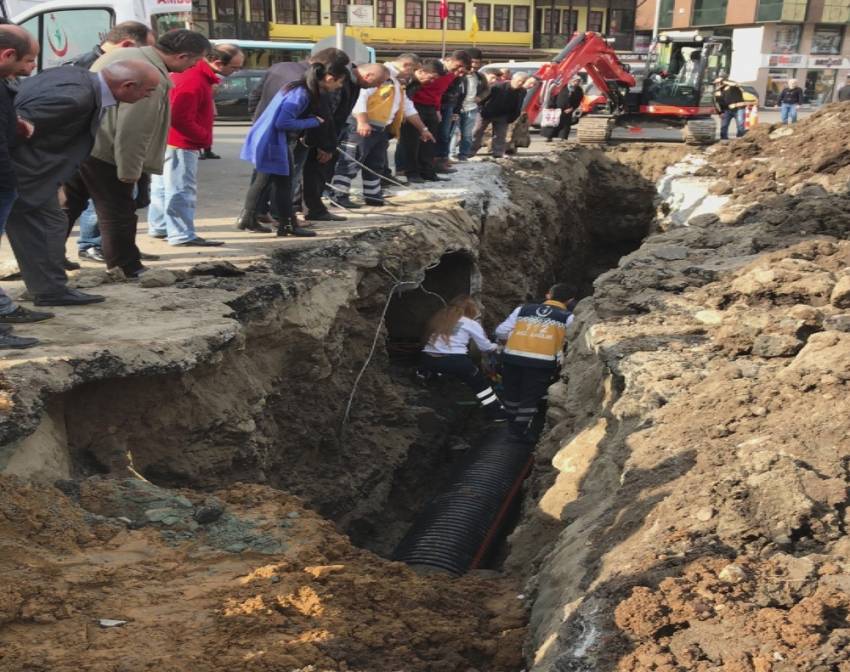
{"x": 680, "y": 73}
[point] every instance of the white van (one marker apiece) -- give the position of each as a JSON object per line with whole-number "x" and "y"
{"x": 67, "y": 28}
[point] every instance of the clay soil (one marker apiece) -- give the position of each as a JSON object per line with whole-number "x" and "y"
{"x": 259, "y": 584}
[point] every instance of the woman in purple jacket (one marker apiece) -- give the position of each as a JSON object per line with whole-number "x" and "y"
{"x": 268, "y": 145}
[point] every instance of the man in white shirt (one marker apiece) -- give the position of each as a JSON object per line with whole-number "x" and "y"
{"x": 378, "y": 114}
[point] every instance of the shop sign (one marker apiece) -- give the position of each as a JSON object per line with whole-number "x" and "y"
{"x": 783, "y": 60}
{"x": 828, "y": 62}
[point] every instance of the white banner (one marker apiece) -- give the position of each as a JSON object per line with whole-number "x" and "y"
{"x": 168, "y": 6}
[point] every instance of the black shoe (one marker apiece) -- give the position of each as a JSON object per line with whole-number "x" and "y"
{"x": 434, "y": 178}
{"x": 375, "y": 202}
{"x": 92, "y": 254}
{"x": 325, "y": 217}
{"x": 158, "y": 236}
{"x": 71, "y": 297}
{"x": 345, "y": 202}
{"x": 148, "y": 257}
{"x": 209, "y": 154}
{"x": 69, "y": 265}
{"x": 23, "y": 315}
{"x": 9, "y": 341}
{"x": 282, "y": 231}
{"x": 496, "y": 413}
{"x": 254, "y": 227}
{"x": 415, "y": 179}
{"x": 201, "y": 242}
{"x": 137, "y": 274}
{"x": 301, "y": 232}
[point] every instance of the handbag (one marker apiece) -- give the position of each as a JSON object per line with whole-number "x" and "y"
{"x": 551, "y": 117}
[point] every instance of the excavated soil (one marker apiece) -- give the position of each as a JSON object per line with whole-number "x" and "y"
{"x": 689, "y": 506}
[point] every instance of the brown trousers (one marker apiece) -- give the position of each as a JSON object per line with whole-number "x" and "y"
{"x": 115, "y": 207}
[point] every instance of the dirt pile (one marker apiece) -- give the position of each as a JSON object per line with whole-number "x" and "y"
{"x": 244, "y": 579}
{"x": 691, "y": 496}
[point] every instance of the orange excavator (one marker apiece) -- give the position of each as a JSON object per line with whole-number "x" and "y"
{"x": 676, "y": 89}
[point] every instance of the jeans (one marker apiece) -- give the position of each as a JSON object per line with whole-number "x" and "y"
{"x": 89, "y": 233}
{"x": 173, "y": 197}
{"x": 7, "y": 199}
{"x": 467, "y": 132}
{"x": 788, "y": 113}
{"x": 444, "y": 132}
{"x": 739, "y": 115}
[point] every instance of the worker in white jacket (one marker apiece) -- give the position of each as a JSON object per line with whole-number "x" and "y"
{"x": 447, "y": 350}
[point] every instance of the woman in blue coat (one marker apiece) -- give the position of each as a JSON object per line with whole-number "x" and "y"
{"x": 291, "y": 112}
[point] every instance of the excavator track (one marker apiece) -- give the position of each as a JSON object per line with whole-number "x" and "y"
{"x": 700, "y": 132}
{"x": 594, "y": 130}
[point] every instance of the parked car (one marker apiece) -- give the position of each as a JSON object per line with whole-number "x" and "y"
{"x": 231, "y": 98}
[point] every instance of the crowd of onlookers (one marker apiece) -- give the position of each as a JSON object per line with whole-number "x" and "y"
{"x": 123, "y": 127}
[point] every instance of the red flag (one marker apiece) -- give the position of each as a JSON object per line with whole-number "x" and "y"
{"x": 444, "y": 10}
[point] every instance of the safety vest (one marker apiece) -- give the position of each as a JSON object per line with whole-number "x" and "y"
{"x": 380, "y": 104}
{"x": 538, "y": 337}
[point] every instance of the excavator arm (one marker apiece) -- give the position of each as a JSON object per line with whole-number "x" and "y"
{"x": 588, "y": 51}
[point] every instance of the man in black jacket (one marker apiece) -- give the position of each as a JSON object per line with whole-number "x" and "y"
{"x": 64, "y": 107}
{"x": 729, "y": 102}
{"x": 474, "y": 88}
{"x": 568, "y": 100}
{"x": 18, "y": 54}
{"x": 502, "y": 108}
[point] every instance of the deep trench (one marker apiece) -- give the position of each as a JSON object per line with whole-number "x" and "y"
{"x": 289, "y": 441}
{"x": 618, "y": 217}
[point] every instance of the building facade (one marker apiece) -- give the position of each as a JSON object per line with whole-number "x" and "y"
{"x": 503, "y": 29}
{"x": 772, "y": 40}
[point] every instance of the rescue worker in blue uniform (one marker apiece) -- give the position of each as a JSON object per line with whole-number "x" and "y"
{"x": 535, "y": 334}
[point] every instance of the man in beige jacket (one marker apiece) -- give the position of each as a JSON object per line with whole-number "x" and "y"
{"x": 131, "y": 141}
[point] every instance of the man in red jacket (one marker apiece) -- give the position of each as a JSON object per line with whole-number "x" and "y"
{"x": 174, "y": 193}
{"x": 419, "y": 155}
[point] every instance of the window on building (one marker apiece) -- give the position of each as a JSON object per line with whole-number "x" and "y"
{"x": 502, "y": 18}
{"x": 310, "y": 13}
{"x": 777, "y": 79}
{"x": 457, "y": 16}
{"x": 621, "y": 26}
{"x": 258, "y": 10}
{"x": 386, "y": 13}
{"x": 594, "y": 21}
{"x": 786, "y": 39}
{"x": 781, "y": 10}
{"x": 819, "y": 86}
{"x": 827, "y": 39}
{"x": 709, "y": 12}
{"x": 432, "y": 19}
{"x": 665, "y": 18}
{"x": 520, "y": 19}
{"x": 413, "y": 14}
{"x": 339, "y": 12}
{"x": 570, "y": 21}
{"x": 285, "y": 12}
{"x": 836, "y": 11}
{"x": 225, "y": 10}
{"x": 551, "y": 21}
{"x": 482, "y": 13}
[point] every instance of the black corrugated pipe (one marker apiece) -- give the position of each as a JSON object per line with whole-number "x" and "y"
{"x": 458, "y": 527}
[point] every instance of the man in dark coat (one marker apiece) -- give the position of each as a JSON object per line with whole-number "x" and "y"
{"x": 64, "y": 106}
{"x": 18, "y": 52}
{"x": 568, "y": 101}
{"x": 502, "y": 107}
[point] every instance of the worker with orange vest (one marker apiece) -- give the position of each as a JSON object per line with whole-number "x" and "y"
{"x": 535, "y": 334}
{"x": 378, "y": 116}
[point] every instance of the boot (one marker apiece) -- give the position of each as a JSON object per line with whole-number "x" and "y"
{"x": 296, "y": 229}
{"x": 248, "y": 222}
